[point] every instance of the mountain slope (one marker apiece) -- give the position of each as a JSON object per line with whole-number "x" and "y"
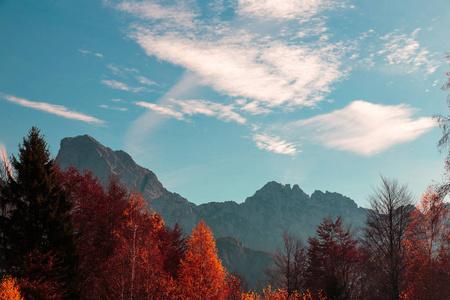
{"x": 258, "y": 222}
{"x": 85, "y": 153}
{"x": 239, "y": 260}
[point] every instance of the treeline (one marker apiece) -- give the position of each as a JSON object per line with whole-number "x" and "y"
{"x": 66, "y": 236}
{"x": 402, "y": 252}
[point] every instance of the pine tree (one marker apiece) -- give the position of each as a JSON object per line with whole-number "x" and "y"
{"x": 38, "y": 216}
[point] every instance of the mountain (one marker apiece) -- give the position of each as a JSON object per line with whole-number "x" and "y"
{"x": 85, "y": 153}
{"x": 258, "y": 222}
{"x": 242, "y": 261}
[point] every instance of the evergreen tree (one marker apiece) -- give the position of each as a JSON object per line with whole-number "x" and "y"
{"x": 37, "y": 218}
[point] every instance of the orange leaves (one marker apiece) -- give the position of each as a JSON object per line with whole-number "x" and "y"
{"x": 279, "y": 294}
{"x": 9, "y": 289}
{"x": 428, "y": 246}
{"x": 202, "y": 275}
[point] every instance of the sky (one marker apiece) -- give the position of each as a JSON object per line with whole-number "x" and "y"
{"x": 220, "y": 97}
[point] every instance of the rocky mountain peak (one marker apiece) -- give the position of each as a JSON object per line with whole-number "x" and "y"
{"x": 277, "y": 192}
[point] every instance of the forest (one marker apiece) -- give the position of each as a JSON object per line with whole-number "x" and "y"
{"x": 66, "y": 236}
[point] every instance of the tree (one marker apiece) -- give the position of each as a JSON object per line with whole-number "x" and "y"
{"x": 38, "y": 215}
{"x": 9, "y": 289}
{"x": 289, "y": 265}
{"x": 428, "y": 249}
{"x": 172, "y": 244}
{"x": 202, "y": 275}
{"x": 385, "y": 234}
{"x": 119, "y": 249}
{"x": 333, "y": 258}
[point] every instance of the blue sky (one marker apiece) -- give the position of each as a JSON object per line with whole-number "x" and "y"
{"x": 220, "y": 97}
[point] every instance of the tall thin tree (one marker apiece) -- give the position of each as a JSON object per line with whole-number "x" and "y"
{"x": 384, "y": 236}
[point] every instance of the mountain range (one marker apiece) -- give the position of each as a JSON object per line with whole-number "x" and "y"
{"x": 246, "y": 232}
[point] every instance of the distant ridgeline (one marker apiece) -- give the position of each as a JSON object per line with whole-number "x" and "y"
{"x": 258, "y": 222}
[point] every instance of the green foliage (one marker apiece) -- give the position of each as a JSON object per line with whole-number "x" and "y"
{"x": 36, "y": 215}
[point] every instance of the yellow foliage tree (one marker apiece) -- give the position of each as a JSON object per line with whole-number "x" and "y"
{"x": 202, "y": 275}
{"x": 9, "y": 289}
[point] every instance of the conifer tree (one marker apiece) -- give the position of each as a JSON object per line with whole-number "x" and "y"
{"x": 37, "y": 217}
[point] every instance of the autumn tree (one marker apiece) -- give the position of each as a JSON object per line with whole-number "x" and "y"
{"x": 333, "y": 260}
{"x": 38, "y": 217}
{"x": 202, "y": 275}
{"x": 9, "y": 289}
{"x": 289, "y": 265}
{"x": 138, "y": 258}
{"x": 385, "y": 234}
{"x": 172, "y": 244}
{"x": 428, "y": 249}
{"x": 119, "y": 240}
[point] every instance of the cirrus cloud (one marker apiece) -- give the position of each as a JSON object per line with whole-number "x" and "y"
{"x": 178, "y": 109}
{"x": 58, "y": 110}
{"x": 273, "y": 143}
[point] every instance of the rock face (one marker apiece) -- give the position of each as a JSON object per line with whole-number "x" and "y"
{"x": 258, "y": 222}
{"x": 243, "y": 261}
{"x": 85, "y": 153}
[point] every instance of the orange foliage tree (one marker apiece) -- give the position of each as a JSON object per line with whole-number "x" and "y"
{"x": 138, "y": 261}
{"x": 428, "y": 246}
{"x": 202, "y": 275}
{"x": 9, "y": 289}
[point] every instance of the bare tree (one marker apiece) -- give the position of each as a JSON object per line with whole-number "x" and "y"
{"x": 289, "y": 265}
{"x": 384, "y": 234}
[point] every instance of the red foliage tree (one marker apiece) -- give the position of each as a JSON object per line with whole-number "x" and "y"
{"x": 333, "y": 260}
{"x": 428, "y": 248}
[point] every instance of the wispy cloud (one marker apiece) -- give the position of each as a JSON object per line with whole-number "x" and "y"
{"x": 401, "y": 49}
{"x": 175, "y": 15}
{"x": 208, "y": 108}
{"x": 53, "y": 109}
{"x": 162, "y": 110}
{"x": 275, "y": 144}
{"x": 287, "y": 9}
{"x": 180, "y": 108}
{"x": 366, "y": 128}
{"x": 269, "y": 70}
{"x": 252, "y": 107}
{"x": 145, "y": 80}
{"x": 122, "y": 86}
{"x": 87, "y": 52}
{"x": 273, "y": 73}
{"x": 113, "y": 107}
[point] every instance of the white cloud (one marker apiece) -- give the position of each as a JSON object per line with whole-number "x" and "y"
{"x": 274, "y": 144}
{"x": 366, "y": 128}
{"x": 145, "y": 80}
{"x": 113, "y": 107}
{"x": 122, "y": 86}
{"x": 162, "y": 110}
{"x": 53, "y": 109}
{"x": 286, "y": 9}
{"x": 114, "y": 69}
{"x": 208, "y": 108}
{"x": 252, "y": 107}
{"x": 272, "y": 74}
{"x": 87, "y": 52}
{"x": 401, "y": 49}
{"x": 179, "y": 108}
{"x": 176, "y": 15}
